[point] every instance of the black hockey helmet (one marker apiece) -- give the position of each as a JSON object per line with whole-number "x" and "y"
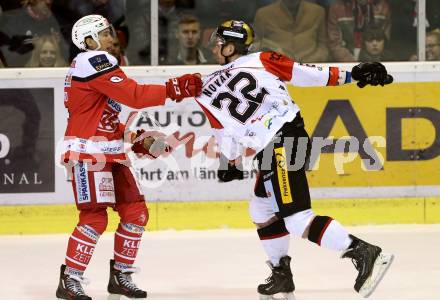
{"x": 238, "y": 32}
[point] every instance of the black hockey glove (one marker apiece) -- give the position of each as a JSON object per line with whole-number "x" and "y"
{"x": 372, "y": 73}
{"x": 229, "y": 170}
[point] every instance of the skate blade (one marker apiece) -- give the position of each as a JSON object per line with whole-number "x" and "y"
{"x": 120, "y": 297}
{"x": 284, "y": 296}
{"x": 381, "y": 266}
{"x": 114, "y": 297}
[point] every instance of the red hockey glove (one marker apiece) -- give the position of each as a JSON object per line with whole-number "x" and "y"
{"x": 188, "y": 85}
{"x": 148, "y": 145}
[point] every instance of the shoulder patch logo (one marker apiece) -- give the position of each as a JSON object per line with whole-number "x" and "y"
{"x": 100, "y": 62}
{"x": 116, "y": 79}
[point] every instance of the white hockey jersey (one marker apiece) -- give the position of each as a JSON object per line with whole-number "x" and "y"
{"x": 247, "y": 100}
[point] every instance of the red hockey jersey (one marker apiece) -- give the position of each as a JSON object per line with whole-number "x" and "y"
{"x": 94, "y": 89}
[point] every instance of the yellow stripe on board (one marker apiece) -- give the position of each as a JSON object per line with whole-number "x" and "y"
{"x": 283, "y": 175}
{"x": 46, "y": 219}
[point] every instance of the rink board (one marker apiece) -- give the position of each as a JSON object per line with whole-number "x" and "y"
{"x": 400, "y": 121}
{"x": 48, "y": 219}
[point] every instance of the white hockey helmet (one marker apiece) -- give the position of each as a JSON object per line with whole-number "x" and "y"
{"x": 88, "y": 26}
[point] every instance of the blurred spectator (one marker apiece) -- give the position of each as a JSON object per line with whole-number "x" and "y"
{"x": 138, "y": 23}
{"x": 9, "y": 4}
{"x": 295, "y": 28}
{"x": 112, "y": 10}
{"x": 119, "y": 45}
{"x": 22, "y": 25}
{"x": 188, "y": 40}
{"x": 375, "y": 46}
{"x": 347, "y": 19}
{"x": 433, "y": 45}
{"x": 213, "y": 12}
{"x": 46, "y": 53}
{"x": 21, "y": 44}
{"x": 404, "y": 19}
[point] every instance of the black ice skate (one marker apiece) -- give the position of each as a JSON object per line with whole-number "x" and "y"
{"x": 280, "y": 281}
{"x": 69, "y": 287}
{"x": 371, "y": 264}
{"x": 120, "y": 283}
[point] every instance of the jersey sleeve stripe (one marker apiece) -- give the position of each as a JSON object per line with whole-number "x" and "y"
{"x": 88, "y": 78}
{"x": 333, "y": 78}
{"x": 277, "y": 64}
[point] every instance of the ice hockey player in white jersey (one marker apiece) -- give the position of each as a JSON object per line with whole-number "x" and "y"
{"x": 248, "y": 106}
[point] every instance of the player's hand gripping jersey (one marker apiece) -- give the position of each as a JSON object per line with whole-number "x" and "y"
{"x": 94, "y": 89}
{"x": 247, "y": 101}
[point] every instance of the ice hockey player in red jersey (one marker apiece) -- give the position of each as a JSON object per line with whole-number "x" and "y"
{"x": 248, "y": 106}
{"x": 95, "y": 88}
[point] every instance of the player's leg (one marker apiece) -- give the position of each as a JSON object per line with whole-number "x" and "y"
{"x": 274, "y": 238}
{"x": 133, "y": 213}
{"x": 293, "y": 199}
{"x": 369, "y": 260}
{"x": 293, "y": 204}
{"x": 92, "y": 223}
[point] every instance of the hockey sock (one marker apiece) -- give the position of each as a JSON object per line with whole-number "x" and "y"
{"x": 127, "y": 241}
{"x": 329, "y": 233}
{"x": 80, "y": 249}
{"x": 275, "y": 240}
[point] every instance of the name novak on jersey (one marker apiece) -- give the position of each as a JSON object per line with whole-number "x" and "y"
{"x": 223, "y": 76}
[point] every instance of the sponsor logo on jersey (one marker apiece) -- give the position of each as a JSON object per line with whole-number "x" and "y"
{"x": 100, "y": 62}
{"x": 88, "y": 232}
{"x": 68, "y": 81}
{"x": 82, "y": 183}
{"x": 115, "y": 105}
{"x": 109, "y": 121}
{"x": 283, "y": 177}
{"x": 268, "y": 123}
{"x": 116, "y": 79}
{"x": 111, "y": 150}
{"x": 257, "y": 119}
{"x": 104, "y": 187}
{"x": 82, "y": 146}
{"x": 250, "y": 133}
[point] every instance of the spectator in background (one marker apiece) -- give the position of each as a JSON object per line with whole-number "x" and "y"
{"x": 404, "y": 19}
{"x": 375, "y": 46}
{"x": 46, "y": 53}
{"x": 347, "y": 19}
{"x": 188, "y": 40}
{"x": 119, "y": 45}
{"x": 139, "y": 26}
{"x": 33, "y": 19}
{"x": 433, "y": 45}
{"x": 112, "y": 10}
{"x": 295, "y": 28}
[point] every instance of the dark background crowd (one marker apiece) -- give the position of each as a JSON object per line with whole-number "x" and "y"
{"x": 36, "y": 33}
